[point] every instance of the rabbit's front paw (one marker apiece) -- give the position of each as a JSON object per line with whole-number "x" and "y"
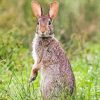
{"x": 33, "y": 75}
{"x": 32, "y": 79}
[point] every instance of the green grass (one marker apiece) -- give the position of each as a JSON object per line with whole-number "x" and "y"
{"x": 78, "y": 30}
{"x": 16, "y": 62}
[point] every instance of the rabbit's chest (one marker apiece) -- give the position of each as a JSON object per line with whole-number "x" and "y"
{"x": 47, "y": 53}
{"x": 45, "y": 50}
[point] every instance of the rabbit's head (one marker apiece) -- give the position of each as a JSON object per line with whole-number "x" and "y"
{"x": 44, "y": 22}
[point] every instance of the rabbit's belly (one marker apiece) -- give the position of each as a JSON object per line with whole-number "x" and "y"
{"x": 53, "y": 89}
{"x": 55, "y": 82}
{"x": 49, "y": 57}
{"x": 52, "y": 82}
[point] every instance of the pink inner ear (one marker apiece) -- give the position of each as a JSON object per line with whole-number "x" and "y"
{"x": 51, "y": 14}
{"x": 53, "y": 9}
{"x": 36, "y": 8}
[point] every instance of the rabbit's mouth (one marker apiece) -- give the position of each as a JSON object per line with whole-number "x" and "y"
{"x": 45, "y": 34}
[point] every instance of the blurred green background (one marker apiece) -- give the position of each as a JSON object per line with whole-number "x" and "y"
{"x": 77, "y": 27}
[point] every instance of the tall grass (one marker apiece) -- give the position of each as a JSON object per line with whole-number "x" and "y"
{"x": 78, "y": 30}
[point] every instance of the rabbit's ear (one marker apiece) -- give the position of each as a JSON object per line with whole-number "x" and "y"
{"x": 36, "y": 8}
{"x": 53, "y": 9}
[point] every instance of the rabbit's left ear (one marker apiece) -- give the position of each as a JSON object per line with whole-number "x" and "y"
{"x": 36, "y": 8}
{"x": 53, "y": 9}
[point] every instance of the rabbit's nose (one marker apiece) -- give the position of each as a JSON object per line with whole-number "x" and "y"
{"x": 43, "y": 29}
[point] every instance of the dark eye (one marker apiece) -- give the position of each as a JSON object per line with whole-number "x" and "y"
{"x": 37, "y": 23}
{"x": 49, "y": 23}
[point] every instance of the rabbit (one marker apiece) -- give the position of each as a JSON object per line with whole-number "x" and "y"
{"x": 57, "y": 78}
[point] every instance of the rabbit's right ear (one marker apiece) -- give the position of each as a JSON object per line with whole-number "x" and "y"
{"x": 53, "y": 9}
{"x": 36, "y": 8}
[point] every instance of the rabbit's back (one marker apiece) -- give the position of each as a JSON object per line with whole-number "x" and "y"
{"x": 56, "y": 73}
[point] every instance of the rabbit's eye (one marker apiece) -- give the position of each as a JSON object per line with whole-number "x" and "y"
{"x": 49, "y": 23}
{"x": 37, "y": 23}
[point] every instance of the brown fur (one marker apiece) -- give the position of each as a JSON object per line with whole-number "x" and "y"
{"x": 57, "y": 78}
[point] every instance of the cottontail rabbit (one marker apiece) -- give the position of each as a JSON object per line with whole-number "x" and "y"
{"x": 57, "y": 79}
